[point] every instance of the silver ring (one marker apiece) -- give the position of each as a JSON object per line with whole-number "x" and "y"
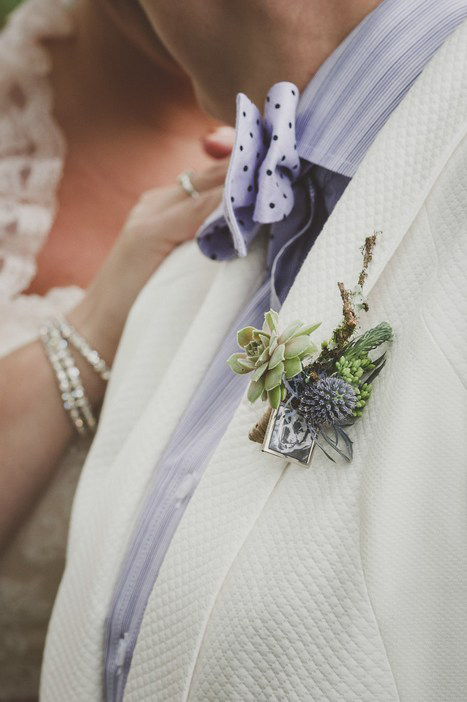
{"x": 184, "y": 179}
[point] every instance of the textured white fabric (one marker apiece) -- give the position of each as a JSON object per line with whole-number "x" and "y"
{"x": 342, "y": 582}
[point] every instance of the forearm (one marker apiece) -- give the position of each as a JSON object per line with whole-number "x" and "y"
{"x": 34, "y": 428}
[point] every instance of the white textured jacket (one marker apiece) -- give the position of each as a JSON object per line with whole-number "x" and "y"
{"x": 344, "y": 582}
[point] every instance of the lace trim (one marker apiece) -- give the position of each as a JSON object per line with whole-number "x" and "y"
{"x": 32, "y": 154}
{"x": 32, "y": 146}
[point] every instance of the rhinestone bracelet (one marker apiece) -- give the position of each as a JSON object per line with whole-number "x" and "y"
{"x": 68, "y": 332}
{"x": 75, "y": 401}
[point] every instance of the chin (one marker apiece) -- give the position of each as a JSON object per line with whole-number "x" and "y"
{"x": 134, "y": 25}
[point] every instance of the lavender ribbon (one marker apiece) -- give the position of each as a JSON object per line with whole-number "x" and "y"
{"x": 263, "y": 168}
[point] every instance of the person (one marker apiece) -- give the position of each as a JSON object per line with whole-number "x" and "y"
{"x": 200, "y": 567}
{"x": 91, "y": 116}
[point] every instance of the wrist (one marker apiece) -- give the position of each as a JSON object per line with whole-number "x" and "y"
{"x": 78, "y": 375}
{"x": 97, "y": 326}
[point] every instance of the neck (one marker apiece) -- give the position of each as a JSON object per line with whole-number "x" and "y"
{"x": 101, "y": 73}
{"x": 314, "y": 35}
{"x": 295, "y": 42}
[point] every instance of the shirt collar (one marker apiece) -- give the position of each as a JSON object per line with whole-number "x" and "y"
{"x": 355, "y": 91}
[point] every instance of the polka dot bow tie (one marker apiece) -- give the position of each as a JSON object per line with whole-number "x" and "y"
{"x": 263, "y": 168}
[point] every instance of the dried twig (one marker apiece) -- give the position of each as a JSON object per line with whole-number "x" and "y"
{"x": 343, "y": 333}
{"x": 350, "y": 317}
{"x": 259, "y": 430}
{"x": 368, "y": 248}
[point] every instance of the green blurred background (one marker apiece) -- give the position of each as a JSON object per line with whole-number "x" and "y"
{"x": 7, "y": 6}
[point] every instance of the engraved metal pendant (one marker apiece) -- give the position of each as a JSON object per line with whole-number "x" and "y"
{"x": 288, "y": 436}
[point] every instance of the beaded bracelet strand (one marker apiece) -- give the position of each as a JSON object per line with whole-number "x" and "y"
{"x": 56, "y": 337}
{"x": 92, "y": 356}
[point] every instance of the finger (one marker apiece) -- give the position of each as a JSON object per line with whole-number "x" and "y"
{"x": 219, "y": 143}
{"x": 163, "y": 198}
{"x": 157, "y": 199}
{"x": 180, "y": 222}
{"x": 212, "y": 177}
{"x": 193, "y": 214}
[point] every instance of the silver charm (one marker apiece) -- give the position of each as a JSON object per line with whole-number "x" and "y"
{"x": 288, "y": 436}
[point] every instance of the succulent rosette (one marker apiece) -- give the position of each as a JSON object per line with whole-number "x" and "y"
{"x": 272, "y": 356}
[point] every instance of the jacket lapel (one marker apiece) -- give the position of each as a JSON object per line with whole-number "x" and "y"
{"x": 389, "y": 189}
{"x": 386, "y": 194}
{"x": 131, "y": 437}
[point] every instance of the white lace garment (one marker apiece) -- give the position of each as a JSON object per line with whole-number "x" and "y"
{"x": 32, "y": 152}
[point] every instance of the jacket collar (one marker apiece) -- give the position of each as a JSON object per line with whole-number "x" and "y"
{"x": 352, "y": 95}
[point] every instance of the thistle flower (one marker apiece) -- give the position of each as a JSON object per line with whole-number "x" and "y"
{"x": 271, "y": 356}
{"x": 330, "y": 400}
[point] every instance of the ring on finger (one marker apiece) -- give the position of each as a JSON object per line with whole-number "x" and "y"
{"x": 186, "y": 183}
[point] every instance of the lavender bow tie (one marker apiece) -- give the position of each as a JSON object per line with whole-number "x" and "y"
{"x": 263, "y": 167}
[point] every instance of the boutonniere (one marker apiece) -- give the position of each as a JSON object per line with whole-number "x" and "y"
{"x": 314, "y": 395}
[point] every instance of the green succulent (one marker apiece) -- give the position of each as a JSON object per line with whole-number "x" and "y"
{"x": 271, "y": 356}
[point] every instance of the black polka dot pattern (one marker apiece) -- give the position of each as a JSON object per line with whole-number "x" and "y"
{"x": 280, "y": 166}
{"x": 264, "y": 166}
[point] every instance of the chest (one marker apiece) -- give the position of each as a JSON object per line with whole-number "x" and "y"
{"x": 102, "y": 180}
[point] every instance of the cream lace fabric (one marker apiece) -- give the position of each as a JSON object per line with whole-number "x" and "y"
{"x": 32, "y": 151}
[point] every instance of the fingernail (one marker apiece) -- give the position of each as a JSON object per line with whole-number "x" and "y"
{"x": 225, "y": 135}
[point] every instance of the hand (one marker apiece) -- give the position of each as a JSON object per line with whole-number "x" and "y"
{"x": 162, "y": 219}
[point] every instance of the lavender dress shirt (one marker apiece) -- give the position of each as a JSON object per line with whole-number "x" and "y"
{"x": 321, "y": 140}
